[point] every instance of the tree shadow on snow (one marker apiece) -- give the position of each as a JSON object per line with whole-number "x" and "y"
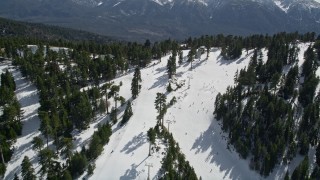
{"x": 22, "y": 85}
{"x": 130, "y": 173}
{"x": 161, "y": 69}
{"x": 224, "y": 61}
{"x": 213, "y": 139}
{"x": 160, "y": 81}
{"x": 32, "y": 99}
{"x": 135, "y": 143}
{"x": 21, "y": 82}
{"x": 30, "y": 123}
{"x": 198, "y": 63}
{"x": 133, "y": 173}
{"x": 26, "y": 87}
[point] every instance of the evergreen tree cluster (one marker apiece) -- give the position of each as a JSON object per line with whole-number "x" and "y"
{"x": 99, "y": 139}
{"x": 10, "y": 118}
{"x": 171, "y": 65}
{"x": 269, "y": 115}
{"x": 80, "y": 161}
{"x": 161, "y": 106}
{"x": 304, "y": 171}
{"x": 27, "y": 170}
{"x": 127, "y": 114}
{"x": 233, "y": 50}
{"x": 249, "y": 42}
{"x": 232, "y": 46}
{"x": 174, "y": 163}
{"x": 76, "y": 162}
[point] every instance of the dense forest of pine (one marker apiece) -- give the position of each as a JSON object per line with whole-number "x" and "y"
{"x": 10, "y": 116}
{"x": 259, "y": 112}
{"x": 11, "y": 28}
{"x": 270, "y": 115}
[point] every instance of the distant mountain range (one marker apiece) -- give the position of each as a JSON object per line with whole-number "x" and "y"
{"x": 160, "y": 19}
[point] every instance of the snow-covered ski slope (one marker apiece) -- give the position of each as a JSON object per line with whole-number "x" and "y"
{"x": 192, "y": 123}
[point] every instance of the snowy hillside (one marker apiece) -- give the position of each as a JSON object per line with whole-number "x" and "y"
{"x": 192, "y": 123}
{"x": 190, "y": 120}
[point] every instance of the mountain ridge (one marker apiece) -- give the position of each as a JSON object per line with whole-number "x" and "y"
{"x": 161, "y": 19}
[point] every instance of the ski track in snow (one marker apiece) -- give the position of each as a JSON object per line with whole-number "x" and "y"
{"x": 199, "y": 135}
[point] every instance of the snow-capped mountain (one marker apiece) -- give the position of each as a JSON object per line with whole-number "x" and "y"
{"x": 90, "y": 3}
{"x": 159, "y": 19}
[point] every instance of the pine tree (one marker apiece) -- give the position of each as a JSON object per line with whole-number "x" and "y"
{"x": 78, "y": 164}
{"x": 45, "y": 126}
{"x": 315, "y": 173}
{"x": 135, "y": 85}
{"x": 191, "y": 54}
{"x": 114, "y": 92}
{"x": 106, "y": 87}
{"x": 113, "y": 116}
{"x": 56, "y": 128}
{"x": 66, "y": 147}
{"x": 27, "y": 171}
{"x": 169, "y": 88}
{"x": 180, "y": 57}
{"x": 207, "y": 44}
{"x": 171, "y": 66}
{"x": 301, "y": 171}
{"x": 127, "y": 113}
{"x": 66, "y": 175}
{"x": 91, "y": 168}
{"x": 287, "y": 177}
{"x": 309, "y": 65}
{"x": 160, "y": 104}
{"x": 2, "y": 168}
{"x": 151, "y": 137}
{"x": 46, "y": 160}
{"x": 95, "y": 147}
{"x": 81, "y": 110}
{"x": 290, "y": 83}
{"x": 37, "y": 143}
